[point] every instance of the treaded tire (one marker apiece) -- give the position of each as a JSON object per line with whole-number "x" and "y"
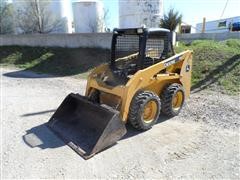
{"x": 136, "y": 109}
{"x": 167, "y": 96}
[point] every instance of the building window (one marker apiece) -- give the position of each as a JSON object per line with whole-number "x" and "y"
{"x": 222, "y": 24}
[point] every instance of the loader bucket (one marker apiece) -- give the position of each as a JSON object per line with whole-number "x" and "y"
{"x": 86, "y": 127}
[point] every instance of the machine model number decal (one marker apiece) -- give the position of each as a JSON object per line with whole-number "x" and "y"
{"x": 171, "y": 62}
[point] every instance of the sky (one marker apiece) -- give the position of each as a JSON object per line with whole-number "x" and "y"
{"x": 193, "y": 11}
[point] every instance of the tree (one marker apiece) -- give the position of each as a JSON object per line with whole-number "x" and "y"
{"x": 171, "y": 20}
{"x": 35, "y": 17}
{"x": 105, "y": 20}
{"x": 6, "y": 18}
{"x": 93, "y": 24}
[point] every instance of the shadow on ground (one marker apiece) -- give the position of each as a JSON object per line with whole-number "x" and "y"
{"x": 41, "y": 136}
{"x": 38, "y": 113}
{"x": 133, "y": 132}
{"x": 27, "y": 74}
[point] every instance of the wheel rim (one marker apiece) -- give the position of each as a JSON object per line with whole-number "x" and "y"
{"x": 150, "y": 111}
{"x": 177, "y": 100}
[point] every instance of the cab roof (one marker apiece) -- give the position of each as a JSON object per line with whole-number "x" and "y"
{"x": 140, "y": 30}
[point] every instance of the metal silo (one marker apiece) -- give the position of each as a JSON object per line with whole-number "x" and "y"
{"x": 60, "y": 10}
{"x": 136, "y": 13}
{"x": 88, "y": 16}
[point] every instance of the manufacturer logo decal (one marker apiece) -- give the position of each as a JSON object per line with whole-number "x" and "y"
{"x": 171, "y": 62}
{"x": 188, "y": 68}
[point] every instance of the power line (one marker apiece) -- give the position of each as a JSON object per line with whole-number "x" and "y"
{"x": 224, "y": 9}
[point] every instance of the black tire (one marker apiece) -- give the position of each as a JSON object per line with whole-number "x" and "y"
{"x": 137, "y": 107}
{"x": 167, "y": 96}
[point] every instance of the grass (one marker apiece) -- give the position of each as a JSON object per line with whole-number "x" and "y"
{"x": 55, "y": 61}
{"x": 216, "y": 65}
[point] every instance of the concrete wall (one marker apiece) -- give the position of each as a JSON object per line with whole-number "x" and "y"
{"x": 211, "y": 36}
{"x": 91, "y": 40}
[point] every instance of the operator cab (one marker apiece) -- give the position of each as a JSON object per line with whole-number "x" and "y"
{"x": 138, "y": 48}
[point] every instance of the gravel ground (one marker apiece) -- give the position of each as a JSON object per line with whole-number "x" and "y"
{"x": 202, "y": 142}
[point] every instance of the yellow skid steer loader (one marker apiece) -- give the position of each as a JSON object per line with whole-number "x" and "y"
{"x": 144, "y": 78}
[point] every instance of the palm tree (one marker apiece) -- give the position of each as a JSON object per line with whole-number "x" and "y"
{"x": 171, "y": 20}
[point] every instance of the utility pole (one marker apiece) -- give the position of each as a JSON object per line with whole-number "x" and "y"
{"x": 231, "y": 25}
{"x": 204, "y": 25}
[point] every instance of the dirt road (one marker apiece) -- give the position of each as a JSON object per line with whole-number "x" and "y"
{"x": 202, "y": 142}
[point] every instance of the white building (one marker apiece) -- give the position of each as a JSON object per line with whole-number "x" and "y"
{"x": 88, "y": 16}
{"x": 57, "y": 9}
{"x": 136, "y": 13}
{"x": 217, "y": 26}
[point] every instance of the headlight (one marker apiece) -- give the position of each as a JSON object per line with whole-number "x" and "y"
{"x": 140, "y": 31}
